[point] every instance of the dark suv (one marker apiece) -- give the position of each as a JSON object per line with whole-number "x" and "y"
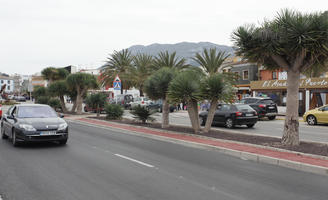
{"x": 264, "y": 106}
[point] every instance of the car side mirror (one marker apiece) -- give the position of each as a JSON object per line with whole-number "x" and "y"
{"x": 10, "y": 117}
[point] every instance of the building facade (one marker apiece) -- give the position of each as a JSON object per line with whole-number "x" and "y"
{"x": 9, "y": 81}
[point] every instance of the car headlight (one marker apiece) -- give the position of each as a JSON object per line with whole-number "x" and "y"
{"x": 27, "y": 127}
{"x": 62, "y": 126}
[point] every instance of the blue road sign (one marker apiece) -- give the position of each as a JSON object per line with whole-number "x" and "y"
{"x": 117, "y": 85}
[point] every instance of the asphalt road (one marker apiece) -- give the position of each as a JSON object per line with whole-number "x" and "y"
{"x": 100, "y": 163}
{"x": 318, "y": 133}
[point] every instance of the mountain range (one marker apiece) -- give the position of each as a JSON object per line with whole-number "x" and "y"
{"x": 185, "y": 50}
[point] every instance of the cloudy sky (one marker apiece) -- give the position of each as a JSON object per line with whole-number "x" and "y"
{"x": 39, "y": 33}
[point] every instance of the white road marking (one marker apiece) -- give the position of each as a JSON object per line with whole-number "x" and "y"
{"x": 0, "y": 197}
{"x": 133, "y": 160}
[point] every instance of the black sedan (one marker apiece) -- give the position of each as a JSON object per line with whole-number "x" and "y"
{"x": 264, "y": 106}
{"x": 32, "y": 123}
{"x": 230, "y": 115}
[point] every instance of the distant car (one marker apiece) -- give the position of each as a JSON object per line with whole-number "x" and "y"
{"x": 230, "y": 115}
{"x": 87, "y": 108}
{"x": 140, "y": 101}
{"x": 158, "y": 105}
{"x": 20, "y": 98}
{"x": 124, "y": 100}
{"x": 264, "y": 106}
{"x": 32, "y": 123}
{"x": 317, "y": 115}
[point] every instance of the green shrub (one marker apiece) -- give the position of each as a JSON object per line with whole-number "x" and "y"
{"x": 142, "y": 114}
{"x": 114, "y": 111}
{"x": 42, "y": 99}
{"x": 54, "y": 103}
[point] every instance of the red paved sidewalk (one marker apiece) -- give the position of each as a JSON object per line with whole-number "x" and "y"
{"x": 296, "y": 157}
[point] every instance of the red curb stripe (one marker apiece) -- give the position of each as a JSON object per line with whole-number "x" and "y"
{"x": 229, "y": 145}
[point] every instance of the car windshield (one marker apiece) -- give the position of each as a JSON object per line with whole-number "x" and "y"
{"x": 245, "y": 108}
{"x": 36, "y": 112}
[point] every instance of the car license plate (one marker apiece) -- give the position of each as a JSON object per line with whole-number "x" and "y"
{"x": 249, "y": 115}
{"x": 48, "y": 133}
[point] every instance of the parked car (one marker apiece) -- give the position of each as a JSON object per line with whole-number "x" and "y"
{"x": 32, "y": 123}
{"x": 158, "y": 106}
{"x": 87, "y": 108}
{"x": 264, "y": 106}
{"x": 20, "y": 98}
{"x": 317, "y": 115}
{"x": 230, "y": 115}
{"x": 123, "y": 100}
{"x": 141, "y": 101}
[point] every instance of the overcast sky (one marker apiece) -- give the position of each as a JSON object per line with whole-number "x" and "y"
{"x": 35, "y": 34}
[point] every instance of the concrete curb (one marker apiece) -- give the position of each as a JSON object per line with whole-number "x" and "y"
{"x": 236, "y": 153}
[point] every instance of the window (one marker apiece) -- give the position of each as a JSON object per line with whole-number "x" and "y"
{"x": 245, "y": 75}
{"x": 274, "y": 75}
{"x": 1, "y": 81}
{"x": 8, "y": 87}
{"x": 8, "y": 81}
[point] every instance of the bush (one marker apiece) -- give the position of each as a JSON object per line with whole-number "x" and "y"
{"x": 114, "y": 111}
{"x": 42, "y": 99}
{"x": 54, "y": 103}
{"x": 142, "y": 114}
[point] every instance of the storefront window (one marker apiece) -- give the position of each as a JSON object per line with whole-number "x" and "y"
{"x": 274, "y": 75}
{"x": 245, "y": 75}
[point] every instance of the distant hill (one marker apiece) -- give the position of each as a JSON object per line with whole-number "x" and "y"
{"x": 186, "y": 50}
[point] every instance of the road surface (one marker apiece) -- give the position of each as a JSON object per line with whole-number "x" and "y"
{"x": 99, "y": 163}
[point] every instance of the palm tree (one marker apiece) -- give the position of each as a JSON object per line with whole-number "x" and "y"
{"x": 119, "y": 63}
{"x": 59, "y": 89}
{"x": 53, "y": 74}
{"x": 211, "y": 61}
{"x": 156, "y": 87}
{"x": 292, "y": 41}
{"x": 185, "y": 87}
{"x": 143, "y": 67}
{"x": 213, "y": 85}
{"x": 164, "y": 59}
{"x": 81, "y": 83}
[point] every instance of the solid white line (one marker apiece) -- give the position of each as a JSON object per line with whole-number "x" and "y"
{"x": 133, "y": 160}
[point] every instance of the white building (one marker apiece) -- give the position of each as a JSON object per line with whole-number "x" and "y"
{"x": 9, "y": 81}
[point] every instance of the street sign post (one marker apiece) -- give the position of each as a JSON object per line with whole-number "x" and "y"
{"x": 117, "y": 84}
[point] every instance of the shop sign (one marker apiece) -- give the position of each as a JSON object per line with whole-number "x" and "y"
{"x": 318, "y": 83}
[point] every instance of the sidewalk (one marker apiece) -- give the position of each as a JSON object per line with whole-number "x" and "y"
{"x": 261, "y": 154}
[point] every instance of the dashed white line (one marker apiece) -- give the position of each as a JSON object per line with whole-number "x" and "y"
{"x": 133, "y": 160}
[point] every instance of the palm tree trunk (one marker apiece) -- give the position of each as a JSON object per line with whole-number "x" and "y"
{"x": 193, "y": 115}
{"x": 79, "y": 104}
{"x": 210, "y": 115}
{"x": 62, "y": 103}
{"x": 291, "y": 134}
{"x": 74, "y": 106}
{"x": 165, "y": 114}
{"x": 98, "y": 111}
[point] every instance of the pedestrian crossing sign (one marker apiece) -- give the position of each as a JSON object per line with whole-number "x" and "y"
{"x": 117, "y": 83}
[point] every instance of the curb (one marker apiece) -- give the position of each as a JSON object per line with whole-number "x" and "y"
{"x": 259, "y": 158}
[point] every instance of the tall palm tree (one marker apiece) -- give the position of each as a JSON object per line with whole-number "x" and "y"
{"x": 213, "y": 85}
{"x": 143, "y": 67}
{"x": 165, "y": 59}
{"x": 211, "y": 61}
{"x": 81, "y": 83}
{"x": 119, "y": 63}
{"x": 292, "y": 41}
{"x": 185, "y": 87}
{"x": 156, "y": 87}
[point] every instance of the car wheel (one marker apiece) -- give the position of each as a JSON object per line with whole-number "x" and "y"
{"x": 62, "y": 142}
{"x": 203, "y": 121}
{"x": 250, "y": 125}
{"x": 3, "y": 135}
{"x": 311, "y": 120}
{"x": 272, "y": 117}
{"x": 85, "y": 109}
{"x": 229, "y": 123}
{"x": 14, "y": 139}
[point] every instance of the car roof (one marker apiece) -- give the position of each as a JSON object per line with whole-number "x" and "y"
{"x": 258, "y": 98}
{"x": 33, "y": 105}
